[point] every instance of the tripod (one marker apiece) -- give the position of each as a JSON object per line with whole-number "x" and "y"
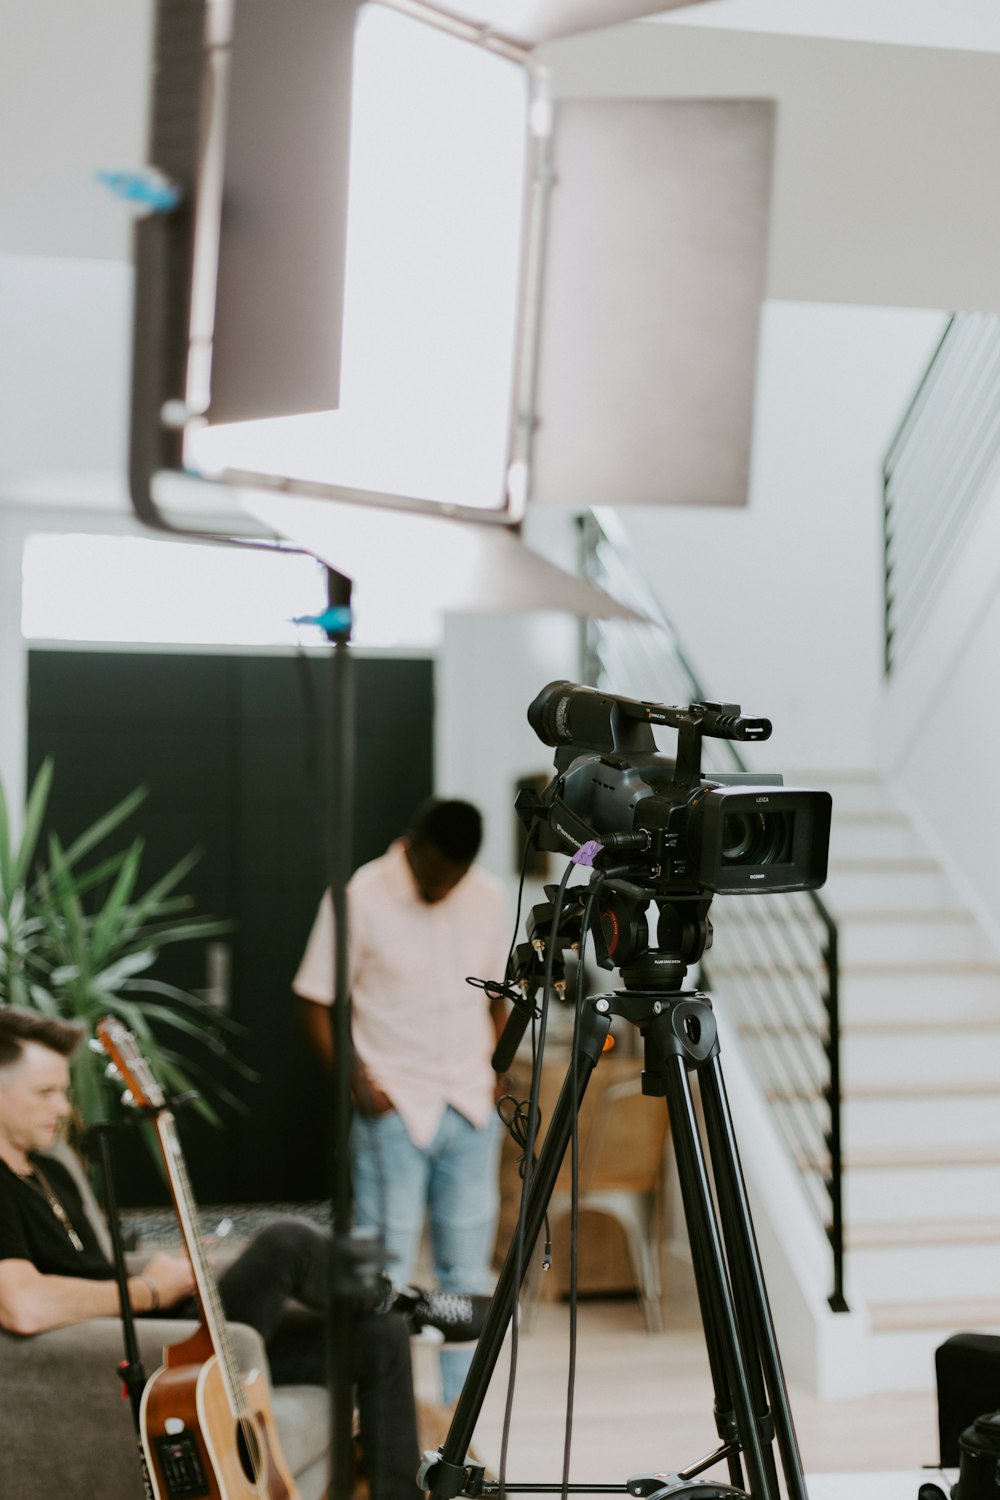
{"x": 751, "y": 1402}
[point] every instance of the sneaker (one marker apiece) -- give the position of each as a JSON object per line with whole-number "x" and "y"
{"x": 453, "y": 1316}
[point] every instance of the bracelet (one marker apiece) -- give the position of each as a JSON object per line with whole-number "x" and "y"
{"x": 154, "y": 1292}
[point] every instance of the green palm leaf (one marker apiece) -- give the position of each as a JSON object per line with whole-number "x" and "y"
{"x": 105, "y": 825}
{"x": 34, "y": 813}
{"x": 78, "y": 938}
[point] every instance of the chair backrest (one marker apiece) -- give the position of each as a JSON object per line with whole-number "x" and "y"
{"x": 622, "y": 1133}
{"x": 624, "y": 1149}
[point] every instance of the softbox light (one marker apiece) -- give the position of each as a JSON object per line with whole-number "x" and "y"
{"x": 568, "y": 317}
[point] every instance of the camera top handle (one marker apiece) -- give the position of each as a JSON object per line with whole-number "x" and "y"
{"x": 575, "y": 718}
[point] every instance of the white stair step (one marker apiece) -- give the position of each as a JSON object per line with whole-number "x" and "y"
{"x": 932, "y": 1057}
{"x": 872, "y": 995}
{"x": 880, "y": 994}
{"x": 954, "y": 1191}
{"x": 887, "y": 1234}
{"x": 875, "y": 836}
{"x": 943, "y": 1315}
{"x": 915, "y": 885}
{"x": 911, "y": 1273}
{"x": 939, "y": 1230}
{"x": 870, "y": 936}
{"x": 853, "y": 793}
{"x": 900, "y": 1353}
{"x": 889, "y": 936}
{"x": 884, "y": 1064}
{"x": 870, "y": 1156}
{"x": 945, "y": 1121}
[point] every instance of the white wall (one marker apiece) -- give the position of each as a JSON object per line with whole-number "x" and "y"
{"x": 65, "y": 331}
{"x": 490, "y": 667}
{"x": 779, "y": 604}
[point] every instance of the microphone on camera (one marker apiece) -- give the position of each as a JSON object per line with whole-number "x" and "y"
{"x": 625, "y": 843}
{"x": 510, "y": 1038}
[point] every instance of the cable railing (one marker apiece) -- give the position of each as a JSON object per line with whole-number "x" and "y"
{"x": 938, "y": 470}
{"x": 774, "y": 961}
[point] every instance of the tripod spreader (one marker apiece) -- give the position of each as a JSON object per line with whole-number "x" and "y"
{"x": 751, "y": 1405}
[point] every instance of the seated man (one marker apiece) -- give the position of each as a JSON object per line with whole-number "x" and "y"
{"x": 53, "y": 1271}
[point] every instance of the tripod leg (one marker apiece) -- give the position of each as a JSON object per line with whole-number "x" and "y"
{"x": 744, "y": 1254}
{"x": 726, "y": 1424}
{"x": 706, "y": 1243}
{"x": 446, "y": 1477}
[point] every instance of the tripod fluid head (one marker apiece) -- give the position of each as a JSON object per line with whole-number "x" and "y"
{"x": 619, "y": 930}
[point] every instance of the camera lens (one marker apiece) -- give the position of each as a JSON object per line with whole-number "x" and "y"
{"x": 756, "y": 838}
{"x": 737, "y": 836}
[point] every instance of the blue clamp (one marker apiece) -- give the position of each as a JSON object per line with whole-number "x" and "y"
{"x": 148, "y": 188}
{"x": 334, "y": 620}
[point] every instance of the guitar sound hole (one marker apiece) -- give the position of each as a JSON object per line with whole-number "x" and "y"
{"x": 248, "y": 1448}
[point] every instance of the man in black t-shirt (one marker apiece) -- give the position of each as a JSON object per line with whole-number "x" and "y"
{"x": 54, "y": 1272}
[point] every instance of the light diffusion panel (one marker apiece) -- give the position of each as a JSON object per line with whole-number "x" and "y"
{"x": 654, "y": 273}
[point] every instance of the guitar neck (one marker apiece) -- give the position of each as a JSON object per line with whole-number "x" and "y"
{"x": 213, "y": 1315}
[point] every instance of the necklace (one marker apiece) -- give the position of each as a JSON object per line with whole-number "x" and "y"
{"x": 40, "y": 1183}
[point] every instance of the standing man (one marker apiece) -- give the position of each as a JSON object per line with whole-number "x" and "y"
{"x": 425, "y": 1143}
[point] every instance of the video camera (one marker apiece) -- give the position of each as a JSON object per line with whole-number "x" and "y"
{"x": 657, "y": 822}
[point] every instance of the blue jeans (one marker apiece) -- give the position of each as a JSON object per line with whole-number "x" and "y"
{"x": 454, "y": 1183}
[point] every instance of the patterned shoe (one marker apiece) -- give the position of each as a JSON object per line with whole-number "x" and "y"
{"x": 453, "y": 1316}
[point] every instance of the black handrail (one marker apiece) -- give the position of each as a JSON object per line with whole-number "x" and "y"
{"x": 936, "y": 472}
{"x": 783, "y": 951}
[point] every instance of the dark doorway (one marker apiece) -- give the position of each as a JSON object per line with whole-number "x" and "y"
{"x": 233, "y": 751}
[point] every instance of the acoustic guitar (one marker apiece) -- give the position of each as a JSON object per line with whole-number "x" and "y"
{"x": 206, "y": 1429}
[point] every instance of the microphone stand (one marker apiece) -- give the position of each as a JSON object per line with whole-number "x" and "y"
{"x": 131, "y": 1369}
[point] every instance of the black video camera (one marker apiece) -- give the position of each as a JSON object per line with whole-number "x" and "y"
{"x": 657, "y": 822}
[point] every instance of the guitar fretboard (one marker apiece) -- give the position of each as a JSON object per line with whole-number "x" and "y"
{"x": 207, "y": 1287}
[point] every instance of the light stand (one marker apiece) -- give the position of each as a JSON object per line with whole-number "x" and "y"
{"x": 353, "y": 1262}
{"x": 131, "y": 1369}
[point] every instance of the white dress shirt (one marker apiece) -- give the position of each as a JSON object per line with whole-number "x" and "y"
{"x": 422, "y": 1034}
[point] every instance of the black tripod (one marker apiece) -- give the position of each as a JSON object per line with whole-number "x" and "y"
{"x": 751, "y": 1402}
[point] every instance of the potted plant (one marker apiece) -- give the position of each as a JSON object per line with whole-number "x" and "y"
{"x": 80, "y": 939}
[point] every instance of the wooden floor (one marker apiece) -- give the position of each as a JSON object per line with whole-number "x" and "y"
{"x": 644, "y": 1402}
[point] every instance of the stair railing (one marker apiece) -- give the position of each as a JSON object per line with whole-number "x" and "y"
{"x": 937, "y": 471}
{"x": 775, "y": 959}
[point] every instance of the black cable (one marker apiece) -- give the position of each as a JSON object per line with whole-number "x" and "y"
{"x": 574, "y": 1201}
{"x": 520, "y": 897}
{"x": 515, "y": 1122}
{"x": 532, "y": 1130}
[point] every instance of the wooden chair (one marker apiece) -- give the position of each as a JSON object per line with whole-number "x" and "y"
{"x": 621, "y": 1173}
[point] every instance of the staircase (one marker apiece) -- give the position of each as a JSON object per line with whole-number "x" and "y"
{"x": 920, "y": 1069}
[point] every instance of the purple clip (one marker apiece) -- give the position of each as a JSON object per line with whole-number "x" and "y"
{"x": 587, "y": 853}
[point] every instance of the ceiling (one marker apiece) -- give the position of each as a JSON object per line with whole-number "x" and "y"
{"x": 969, "y": 25}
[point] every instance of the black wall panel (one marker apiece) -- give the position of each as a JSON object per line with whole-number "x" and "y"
{"x": 234, "y": 752}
